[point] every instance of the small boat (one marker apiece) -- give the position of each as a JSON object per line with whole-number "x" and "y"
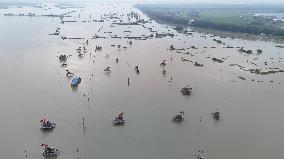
{"x": 186, "y": 90}
{"x": 137, "y": 69}
{"x": 62, "y": 58}
{"x": 50, "y": 151}
{"x": 163, "y": 63}
{"x": 199, "y": 157}
{"x": 75, "y": 81}
{"x": 164, "y": 72}
{"x": 47, "y": 125}
{"x": 118, "y": 120}
{"x": 216, "y": 115}
{"x": 178, "y": 117}
{"x": 107, "y": 70}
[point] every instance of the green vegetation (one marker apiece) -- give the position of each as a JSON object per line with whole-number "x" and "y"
{"x": 235, "y": 18}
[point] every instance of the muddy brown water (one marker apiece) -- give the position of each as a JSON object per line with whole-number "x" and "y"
{"x": 34, "y": 86}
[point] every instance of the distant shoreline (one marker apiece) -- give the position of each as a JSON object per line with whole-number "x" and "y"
{"x": 246, "y": 36}
{"x": 246, "y": 27}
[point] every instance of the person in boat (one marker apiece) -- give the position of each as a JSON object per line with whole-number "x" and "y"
{"x": 137, "y": 69}
{"x": 186, "y": 90}
{"x": 49, "y": 150}
{"x": 216, "y": 114}
{"x": 180, "y": 114}
{"x": 179, "y": 117}
{"x": 120, "y": 117}
{"x": 48, "y": 124}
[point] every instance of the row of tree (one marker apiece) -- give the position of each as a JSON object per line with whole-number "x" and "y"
{"x": 166, "y": 17}
{"x": 250, "y": 28}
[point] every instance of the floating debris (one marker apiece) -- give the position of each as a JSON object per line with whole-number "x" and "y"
{"x": 217, "y": 60}
{"x": 218, "y": 41}
{"x": 198, "y": 64}
{"x": 69, "y": 74}
{"x": 259, "y": 51}
{"x": 62, "y": 58}
{"x": 242, "y": 78}
{"x": 258, "y": 71}
{"x": 245, "y": 51}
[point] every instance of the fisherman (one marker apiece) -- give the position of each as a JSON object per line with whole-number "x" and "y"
{"x": 48, "y": 124}
{"x": 116, "y": 60}
{"x": 120, "y": 117}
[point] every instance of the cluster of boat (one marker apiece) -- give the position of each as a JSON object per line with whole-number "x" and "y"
{"x": 179, "y": 116}
{"x": 48, "y": 151}
{"x": 117, "y": 121}
{"x": 76, "y": 80}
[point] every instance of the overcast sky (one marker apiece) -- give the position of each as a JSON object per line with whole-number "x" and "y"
{"x": 157, "y": 1}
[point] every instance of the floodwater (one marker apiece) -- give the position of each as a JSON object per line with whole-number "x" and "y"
{"x": 34, "y": 86}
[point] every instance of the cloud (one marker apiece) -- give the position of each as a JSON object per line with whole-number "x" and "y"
{"x": 156, "y": 1}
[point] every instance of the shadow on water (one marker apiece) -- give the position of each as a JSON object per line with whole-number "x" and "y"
{"x": 46, "y": 132}
{"x": 216, "y": 121}
{"x": 74, "y": 89}
{"x": 50, "y": 157}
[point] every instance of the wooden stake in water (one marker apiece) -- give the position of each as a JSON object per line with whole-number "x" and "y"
{"x": 84, "y": 123}
{"x": 128, "y": 81}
